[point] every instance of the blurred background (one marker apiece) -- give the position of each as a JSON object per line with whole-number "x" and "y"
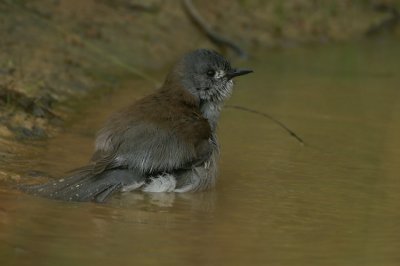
{"x": 54, "y": 50}
{"x": 329, "y": 70}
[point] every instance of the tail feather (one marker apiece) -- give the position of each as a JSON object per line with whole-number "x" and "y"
{"x": 103, "y": 196}
{"x": 86, "y": 186}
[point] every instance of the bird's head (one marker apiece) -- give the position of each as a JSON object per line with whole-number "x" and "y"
{"x": 207, "y": 75}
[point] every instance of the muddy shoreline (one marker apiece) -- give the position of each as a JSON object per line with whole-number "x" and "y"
{"x": 56, "y": 53}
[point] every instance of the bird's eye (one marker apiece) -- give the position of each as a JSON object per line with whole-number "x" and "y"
{"x": 211, "y": 73}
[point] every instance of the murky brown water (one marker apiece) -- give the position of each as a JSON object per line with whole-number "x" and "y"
{"x": 335, "y": 201}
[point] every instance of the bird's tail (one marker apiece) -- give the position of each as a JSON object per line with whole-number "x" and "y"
{"x": 86, "y": 186}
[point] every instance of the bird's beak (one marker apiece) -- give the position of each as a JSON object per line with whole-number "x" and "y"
{"x": 237, "y": 72}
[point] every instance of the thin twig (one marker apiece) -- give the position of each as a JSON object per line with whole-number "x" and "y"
{"x": 210, "y": 33}
{"x": 279, "y": 123}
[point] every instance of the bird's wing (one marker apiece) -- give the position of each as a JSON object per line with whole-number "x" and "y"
{"x": 151, "y": 148}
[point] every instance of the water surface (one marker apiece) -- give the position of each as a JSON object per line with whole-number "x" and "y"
{"x": 335, "y": 201}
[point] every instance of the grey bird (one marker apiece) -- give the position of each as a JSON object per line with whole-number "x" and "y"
{"x": 164, "y": 142}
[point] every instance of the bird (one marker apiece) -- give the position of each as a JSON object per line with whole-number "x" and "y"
{"x": 163, "y": 142}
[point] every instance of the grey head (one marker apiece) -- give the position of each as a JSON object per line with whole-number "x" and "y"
{"x": 207, "y": 75}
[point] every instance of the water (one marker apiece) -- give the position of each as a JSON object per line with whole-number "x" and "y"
{"x": 335, "y": 201}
